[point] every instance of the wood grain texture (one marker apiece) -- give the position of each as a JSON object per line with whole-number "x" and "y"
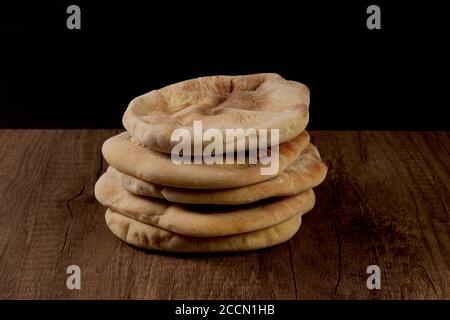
{"x": 385, "y": 202}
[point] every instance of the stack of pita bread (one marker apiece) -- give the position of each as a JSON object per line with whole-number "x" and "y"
{"x": 156, "y": 204}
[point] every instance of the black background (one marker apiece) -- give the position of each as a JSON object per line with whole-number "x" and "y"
{"x": 393, "y": 78}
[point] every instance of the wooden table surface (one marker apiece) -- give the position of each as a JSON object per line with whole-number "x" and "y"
{"x": 385, "y": 202}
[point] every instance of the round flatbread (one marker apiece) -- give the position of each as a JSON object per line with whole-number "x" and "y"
{"x": 149, "y": 237}
{"x": 199, "y": 220}
{"x": 258, "y": 101}
{"x": 305, "y": 173}
{"x": 127, "y": 155}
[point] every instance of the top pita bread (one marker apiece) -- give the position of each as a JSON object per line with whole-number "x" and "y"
{"x": 127, "y": 155}
{"x": 258, "y": 101}
{"x": 305, "y": 173}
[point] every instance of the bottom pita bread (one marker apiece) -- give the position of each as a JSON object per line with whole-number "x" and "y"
{"x": 199, "y": 220}
{"x": 149, "y": 237}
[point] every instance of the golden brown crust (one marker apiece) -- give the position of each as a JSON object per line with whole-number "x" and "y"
{"x": 305, "y": 173}
{"x": 200, "y": 221}
{"x": 149, "y": 237}
{"x": 259, "y": 101}
{"x": 129, "y": 156}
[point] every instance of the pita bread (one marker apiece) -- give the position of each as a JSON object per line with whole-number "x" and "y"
{"x": 307, "y": 172}
{"x": 258, "y": 101}
{"x": 149, "y": 237}
{"x": 198, "y": 220}
{"x": 129, "y": 156}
